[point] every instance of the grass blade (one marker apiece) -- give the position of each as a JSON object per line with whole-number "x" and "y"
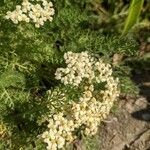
{"x": 134, "y": 12}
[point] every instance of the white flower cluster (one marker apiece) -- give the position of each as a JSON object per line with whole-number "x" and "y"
{"x": 86, "y": 113}
{"x": 38, "y": 13}
{"x": 89, "y": 111}
{"x": 60, "y": 132}
{"x": 103, "y": 71}
{"x": 79, "y": 66}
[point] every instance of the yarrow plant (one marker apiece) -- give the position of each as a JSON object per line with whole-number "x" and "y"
{"x": 28, "y": 12}
{"x": 67, "y": 104}
{"x": 85, "y": 114}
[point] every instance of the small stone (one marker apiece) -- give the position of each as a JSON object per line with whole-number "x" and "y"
{"x": 141, "y": 102}
{"x": 129, "y": 108}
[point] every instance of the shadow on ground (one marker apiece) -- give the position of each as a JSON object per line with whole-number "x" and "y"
{"x": 142, "y": 78}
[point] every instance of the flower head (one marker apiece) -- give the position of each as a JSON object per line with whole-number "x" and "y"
{"x": 28, "y": 12}
{"x": 92, "y": 107}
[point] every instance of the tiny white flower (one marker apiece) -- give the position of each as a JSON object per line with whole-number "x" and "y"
{"x": 54, "y": 146}
{"x": 19, "y": 18}
{"x": 50, "y": 4}
{"x": 15, "y": 21}
{"x": 27, "y": 19}
{"x": 44, "y": 3}
{"x": 37, "y": 25}
{"x": 60, "y": 142}
{"x": 18, "y": 7}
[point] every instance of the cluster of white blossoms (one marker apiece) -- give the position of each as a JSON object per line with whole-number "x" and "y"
{"x": 60, "y": 132}
{"x": 87, "y": 113}
{"x": 82, "y": 66}
{"x": 79, "y": 66}
{"x": 28, "y": 12}
{"x": 90, "y": 111}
